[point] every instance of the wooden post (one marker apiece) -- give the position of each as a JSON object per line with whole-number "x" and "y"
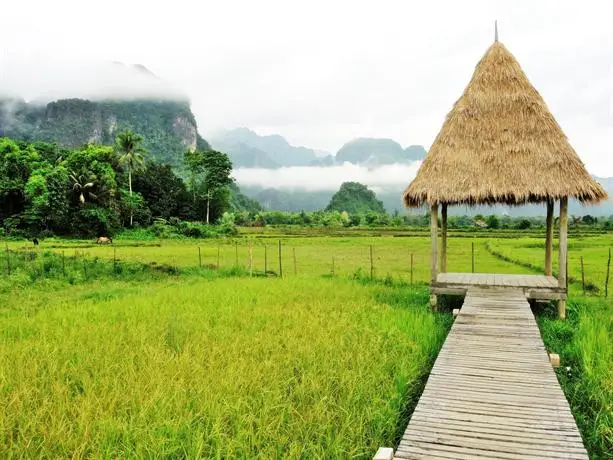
{"x": 8, "y": 260}
{"x": 444, "y": 238}
{"x": 250, "y": 258}
{"x": 280, "y": 264}
{"x": 606, "y": 283}
{"x": 115, "y": 260}
{"x": 434, "y": 238}
{"x": 236, "y": 252}
{"x": 411, "y": 268}
{"x": 265, "y": 259}
{"x": 295, "y": 268}
{"x": 333, "y": 266}
{"x": 371, "y": 264}
{"x": 472, "y": 252}
{"x": 434, "y": 258}
{"x": 563, "y": 254}
{"x": 218, "y": 251}
{"x": 582, "y": 275}
{"x": 63, "y": 264}
{"x": 199, "y": 258}
{"x": 549, "y": 238}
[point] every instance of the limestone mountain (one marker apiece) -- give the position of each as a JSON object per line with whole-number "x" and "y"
{"x": 168, "y": 126}
{"x": 371, "y": 151}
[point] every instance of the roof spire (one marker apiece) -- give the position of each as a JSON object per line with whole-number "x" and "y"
{"x": 495, "y": 30}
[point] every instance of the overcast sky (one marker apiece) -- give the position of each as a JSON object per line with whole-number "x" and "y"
{"x": 323, "y": 72}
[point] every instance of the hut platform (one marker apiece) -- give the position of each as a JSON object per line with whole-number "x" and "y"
{"x": 492, "y": 392}
{"x": 537, "y": 287}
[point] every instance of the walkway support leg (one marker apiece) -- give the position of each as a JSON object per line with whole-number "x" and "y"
{"x": 563, "y": 252}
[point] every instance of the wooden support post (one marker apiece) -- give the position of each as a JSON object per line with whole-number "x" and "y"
{"x": 266, "y": 259}
{"x": 554, "y": 359}
{"x": 218, "y": 251}
{"x": 333, "y": 266}
{"x": 384, "y": 453}
{"x": 434, "y": 238}
{"x": 606, "y": 283}
{"x": 434, "y": 258}
{"x": 444, "y": 238}
{"x": 63, "y": 264}
{"x": 563, "y": 254}
{"x": 472, "y": 252}
{"x": 280, "y": 264}
{"x": 411, "y": 268}
{"x": 549, "y": 238}
{"x": 582, "y": 275}
{"x": 199, "y": 258}
{"x": 236, "y": 252}
{"x": 8, "y": 260}
{"x": 295, "y": 267}
{"x": 250, "y": 258}
{"x": 371, "y": 264}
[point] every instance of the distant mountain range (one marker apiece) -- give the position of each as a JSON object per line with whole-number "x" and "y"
{"x": 250, "y": 150}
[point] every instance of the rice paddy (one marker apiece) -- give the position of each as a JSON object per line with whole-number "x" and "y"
{"x": 101, "y": 361}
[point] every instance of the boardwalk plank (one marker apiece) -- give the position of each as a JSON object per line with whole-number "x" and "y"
{"x": 492, "y": 392}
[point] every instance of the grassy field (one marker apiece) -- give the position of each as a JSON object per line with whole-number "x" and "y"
{"x": 155, "y": 356}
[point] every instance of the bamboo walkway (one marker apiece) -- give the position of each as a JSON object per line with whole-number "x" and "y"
{"x": 492, "y": 392}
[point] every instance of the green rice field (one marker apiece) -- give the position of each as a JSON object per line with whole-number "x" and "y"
{"x": 182, "y": 349}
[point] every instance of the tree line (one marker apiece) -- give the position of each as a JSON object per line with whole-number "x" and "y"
{"x": 99, "y": 189}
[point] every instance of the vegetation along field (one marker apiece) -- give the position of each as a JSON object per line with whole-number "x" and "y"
{"x": 149, "y": 348}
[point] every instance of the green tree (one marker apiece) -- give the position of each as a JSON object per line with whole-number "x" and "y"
{"x": 493, "y": 221}
{"x": 131, "y": 155}
{"x": 355, "y": 198}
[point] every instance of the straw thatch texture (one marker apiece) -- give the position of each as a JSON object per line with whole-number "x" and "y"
{"x": 500, "y": 144}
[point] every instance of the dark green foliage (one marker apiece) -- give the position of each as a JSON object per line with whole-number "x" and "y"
{"x": 355, "y": 198}
{"x": 493, "y": 221}
{"x": 163, "y": 191}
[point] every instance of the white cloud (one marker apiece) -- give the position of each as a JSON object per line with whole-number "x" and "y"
{"x": 318, "y": 178}
{"x": 322, "y": 72}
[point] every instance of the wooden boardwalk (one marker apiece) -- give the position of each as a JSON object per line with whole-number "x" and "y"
{"x": 492, "y": 392}
{"x": 533, "y": 286}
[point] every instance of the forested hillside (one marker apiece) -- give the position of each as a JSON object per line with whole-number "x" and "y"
{"x": 167, "y": 126}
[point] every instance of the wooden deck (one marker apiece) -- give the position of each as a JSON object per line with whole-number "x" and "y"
{"x": 533, "y": 286}
{"x": 492, "y": 392}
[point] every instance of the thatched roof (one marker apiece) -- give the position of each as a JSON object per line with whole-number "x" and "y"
{"x": 501, "y": 144}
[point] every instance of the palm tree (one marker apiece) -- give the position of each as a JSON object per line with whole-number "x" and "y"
{"x": 130, "y": 154}
{"x": 81, "y": 186}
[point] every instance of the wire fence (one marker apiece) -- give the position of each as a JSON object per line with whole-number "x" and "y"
{"x": 407, "y": 262}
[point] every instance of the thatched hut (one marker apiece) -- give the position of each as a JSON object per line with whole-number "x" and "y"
{"x": 501, "y": 144}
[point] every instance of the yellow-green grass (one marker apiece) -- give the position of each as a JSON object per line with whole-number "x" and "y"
{"x": 229, "y": 368}
{"x": 314, "y": 256}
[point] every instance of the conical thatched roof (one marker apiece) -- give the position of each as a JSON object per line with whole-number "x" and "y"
{"x": 501, "y": 144}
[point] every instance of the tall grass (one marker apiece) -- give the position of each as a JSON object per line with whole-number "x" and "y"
{"x": 227, "y": 368}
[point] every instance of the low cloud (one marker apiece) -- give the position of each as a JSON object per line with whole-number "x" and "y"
{"x": 320, "y": 178}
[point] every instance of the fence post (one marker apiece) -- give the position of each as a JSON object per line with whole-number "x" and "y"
{"x": 582, "y": 275}
{"x": 250, "y": 258}
{"x": 8, "y": 260}
{"x": 63, "y": 265}
{"x": 333, "y": 266}
{"x": 606, "y": 285}
{"x": 114, "y": 260}
{"x": 411, "y": 268}
{"x": 199, "y": 258}
{"x": 280, "y": 264}
{"x": 371, "y": 264}
{"x": 265, "y": 259}
{"x": 472, "y": 250}
{"x": 295, "y": 268}
{"x": 236, "y": 251}
{"x": 218, "y": 251}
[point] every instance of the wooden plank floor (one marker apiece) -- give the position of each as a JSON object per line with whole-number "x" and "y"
{"x": 500, "y": 280}
{"x": 492, "y": 392}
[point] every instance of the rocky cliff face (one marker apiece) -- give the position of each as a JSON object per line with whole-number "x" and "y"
{"x": 168, "y": 127}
